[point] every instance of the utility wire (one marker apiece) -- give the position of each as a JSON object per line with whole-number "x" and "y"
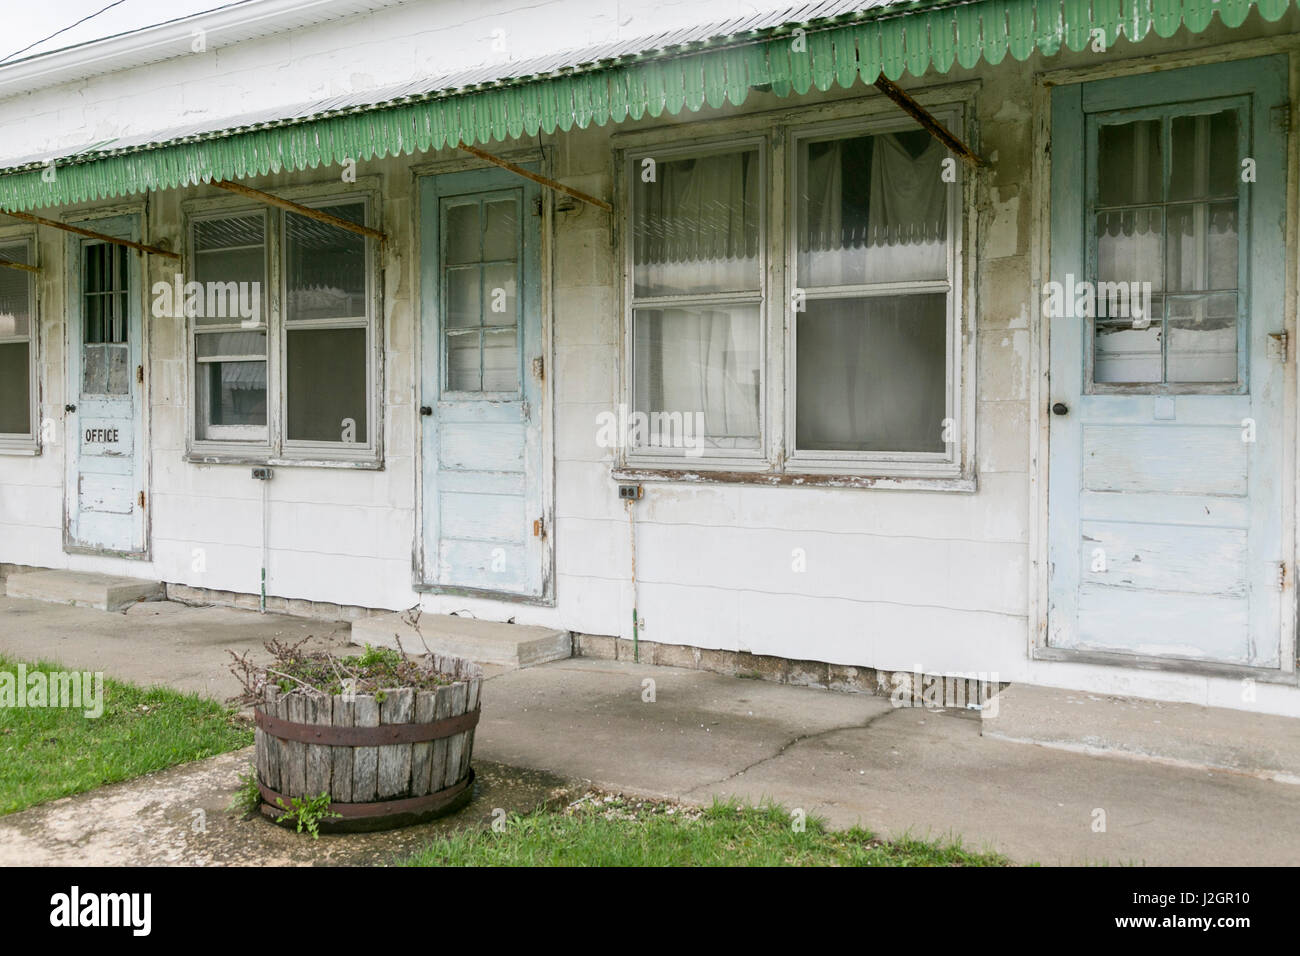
{"x": 64, "y": 30}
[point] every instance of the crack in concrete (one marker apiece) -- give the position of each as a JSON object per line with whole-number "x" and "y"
{"x": 798, "y": 739}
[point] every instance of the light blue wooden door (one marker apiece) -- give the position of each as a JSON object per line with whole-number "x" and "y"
{"x": 481, "y": 395}
{"x": 1166, "y": 437}
{"x": 105, "y": 489}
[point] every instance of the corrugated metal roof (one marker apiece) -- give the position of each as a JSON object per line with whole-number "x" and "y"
{"x": 822, "y": 14}
{"x": 846, "y": 43}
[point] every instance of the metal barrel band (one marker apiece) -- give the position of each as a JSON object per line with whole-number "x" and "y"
{"x": 383, "y": 808}
{"x": 380, "y": 736}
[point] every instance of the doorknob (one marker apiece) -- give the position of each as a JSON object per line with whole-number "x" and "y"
{"x": 69, "y": 408}
{"x": 1060, "y": 408}
{"x": 426, "y": 410}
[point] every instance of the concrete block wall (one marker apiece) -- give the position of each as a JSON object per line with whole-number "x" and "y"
{"x": 896, "y": 580}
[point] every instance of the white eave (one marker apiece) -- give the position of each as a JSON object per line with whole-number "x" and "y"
{"x": 222, "y": 27}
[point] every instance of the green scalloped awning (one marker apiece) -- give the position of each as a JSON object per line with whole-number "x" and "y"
{"x": 915, "y": 38}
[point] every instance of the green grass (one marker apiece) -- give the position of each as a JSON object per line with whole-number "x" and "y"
{"x": 50, "y": 752}
{"x": 610, "y": 830}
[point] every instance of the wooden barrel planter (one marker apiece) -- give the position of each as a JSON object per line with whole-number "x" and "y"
{"x": 388, "y": 762}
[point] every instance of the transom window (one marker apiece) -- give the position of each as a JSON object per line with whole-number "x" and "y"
{"x": 1167, "y": 201}
{"x": 860, "y": 374}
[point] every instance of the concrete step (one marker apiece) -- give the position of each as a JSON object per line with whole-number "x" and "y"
{"x": 485, "y": 642}
{"x": 103, "y": 591}
{"x": 1188, "y": 735}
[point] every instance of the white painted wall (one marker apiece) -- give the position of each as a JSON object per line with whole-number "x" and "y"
{"x": 938, "y": 581}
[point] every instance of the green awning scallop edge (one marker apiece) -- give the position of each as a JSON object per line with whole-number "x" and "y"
{"x": 885, "y": 41}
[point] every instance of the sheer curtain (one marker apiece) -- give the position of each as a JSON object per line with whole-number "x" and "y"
{"x": 702, "y": 360}
{"x": 697, "y": 231}
{"x": 697, "y": 234}
{"x": 872, "y": 369}
{"x": 894, "y": 230}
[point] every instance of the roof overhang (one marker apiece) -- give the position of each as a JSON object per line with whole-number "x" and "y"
{"x": 792, "y": 58}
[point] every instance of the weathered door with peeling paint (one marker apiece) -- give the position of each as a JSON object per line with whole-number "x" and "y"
{"x": 105, "y": 500}
{"x": 481, "y": 384}
{"x": 1166, "y": 434}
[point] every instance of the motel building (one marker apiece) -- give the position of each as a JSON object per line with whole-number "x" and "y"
{"x": 827, "y": 341}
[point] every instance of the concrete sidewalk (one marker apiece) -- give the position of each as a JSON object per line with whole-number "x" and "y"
{"x": 856, "y": 759}
{"x": 851, "y": 758}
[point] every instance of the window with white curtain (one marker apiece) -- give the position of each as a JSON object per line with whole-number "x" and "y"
{"x": 17, "y": 358}
{"x": 871, "y": 340}
{"x": 857, "y": 337}
{"x": 698, "y": 291}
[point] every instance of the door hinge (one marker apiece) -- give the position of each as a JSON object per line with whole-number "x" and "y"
{"x": 539, "y": 528}
{"x": 141, "y": 499}
{"x": 1281, "y": 575}
{"x": 539, "y": 368}
{"x": 139, "y": 374}
{"x": 1277, "y": 345}
{"x": 537, "y": 206}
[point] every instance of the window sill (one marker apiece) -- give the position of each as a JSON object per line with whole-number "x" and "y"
{"x": 28, "y": 449}
{"x": 200, "y": 457}
{"x": 966, "y": 484}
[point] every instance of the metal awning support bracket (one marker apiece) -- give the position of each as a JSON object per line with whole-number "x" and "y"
{"x": 931, "y": 125}
{"x": 89, "y": 234}
{"x": 271, "y": 200}
{"x": 534, "y": 177}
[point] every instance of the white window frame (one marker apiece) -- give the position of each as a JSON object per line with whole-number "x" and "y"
{"x": 275, "y": 448}
{"x": 298, "y": 448}
{"x": 678, "y": 457}
{"x": 953, "y": 470}
{"x": 236, "y": 435}
{"x": 944, "y": 464}
{"x": 17, "y": 443}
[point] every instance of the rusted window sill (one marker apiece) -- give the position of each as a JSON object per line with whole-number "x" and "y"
{"x": 802, "y": 479}
{"x": 359, "y": 464}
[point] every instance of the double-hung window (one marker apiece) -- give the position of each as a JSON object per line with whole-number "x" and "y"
{"x": 820, "y": 338}
{"x": 698, "y": 290}
{"x": 872, "y": 320}
{"x": 17, "y": 350}
{"x": 287, "y": 370}
{"x": 230, "y": 344}
{"x": 327, "y": 330}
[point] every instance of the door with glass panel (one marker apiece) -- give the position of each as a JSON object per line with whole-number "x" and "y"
{"x": 105, "y": 486}
{"x": 485, "y": 524}
{"x": 1166, "y": 311}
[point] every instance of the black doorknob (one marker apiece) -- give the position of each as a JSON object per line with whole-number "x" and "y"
{"x": 426, "y": 410}
{"x": 69, "y": 408}
{"x": 1060, "y": 408}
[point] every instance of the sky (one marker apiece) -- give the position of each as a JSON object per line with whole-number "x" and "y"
{"x": 27, "y": 23}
